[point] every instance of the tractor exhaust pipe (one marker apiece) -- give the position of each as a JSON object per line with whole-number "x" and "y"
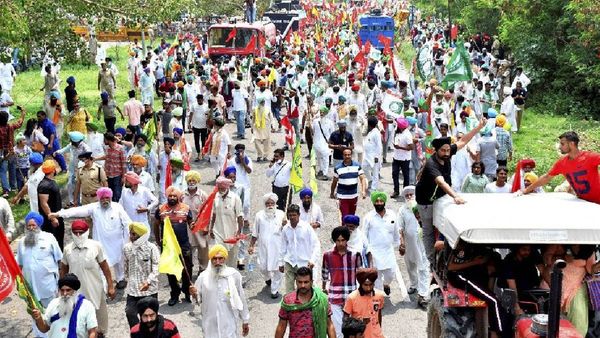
{"x": 555, "y": 298}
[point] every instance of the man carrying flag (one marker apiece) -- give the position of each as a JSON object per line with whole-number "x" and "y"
{"x": 173, "y": 219}
{"x": 38, "y": 255}
{"x": 194, "y": 197}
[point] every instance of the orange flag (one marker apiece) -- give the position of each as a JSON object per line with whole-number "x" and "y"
{"x": 205, "y": 212}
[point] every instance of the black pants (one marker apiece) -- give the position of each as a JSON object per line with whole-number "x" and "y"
{"x": 131, "y": 309}
{"x": 200, "y": 134}
{"x": 110, "y": 124}
{"x": 398, "y": 165}
{"x": 282, "y": 196}
{"x": 116, "y": 185}
{"x": 309, "y": 139}
{"x": 502, "y": 163}
{"x": 176, "y": 290}
{"x": 58, "y": 232}
{"x": 482, "y": 292}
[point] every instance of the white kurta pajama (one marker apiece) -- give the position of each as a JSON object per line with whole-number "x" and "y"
{"x": 163, "y": 161}
{"x": 224, "y": 307}
{"x": 219, "y": 148}
{"x": 267, "y": 230}
{"x": 322, "y": 129}
{"x": 111, "y": 229}
{"x": 142, "y": 198}
{"x": 415, "y": 258}
{"x": 373, "y": 150}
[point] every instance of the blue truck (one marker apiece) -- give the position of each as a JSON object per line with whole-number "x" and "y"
{"x": 373, "y": 25}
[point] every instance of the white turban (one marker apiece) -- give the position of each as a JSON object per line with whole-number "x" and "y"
{"x": 270, "y": 196}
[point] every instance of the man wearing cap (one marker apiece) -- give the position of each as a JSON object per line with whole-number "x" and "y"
{"x": 76, "y": 147}
{"x": 180, "y": 216}
{"x": 403, "y": 146}
{"x": 227, "y": 218}
{"x": 221, "y": 316}
{"x": 70, "y": 315}
{"x": 382, "y": 232}
{"x": 49, "y": 201}
{"x": 141, "y": 269}
{"x": 137, "y": 200}
{"x": 82, "y": 257}
{"x": 366, "y": 303}
{"x": 194, "y": 197}
{"x": 134, "y": 110}
{"x": 151, "y": 323}
{"x": 436, "y": 181}
{"x": 30, "y": 187}
{"x": 164, "y": 164}
{"x": 38, "y": 256}
{"x": 220, "y": 146}
{"x": 267, "y": 232}
{"x": 322, "y": 128}
{"x": 90, "y": 177}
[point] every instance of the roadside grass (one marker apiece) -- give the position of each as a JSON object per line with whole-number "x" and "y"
{"x": 406, "y": 53}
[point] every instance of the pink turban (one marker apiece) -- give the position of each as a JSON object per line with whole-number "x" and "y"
{"x": 104, "y": 192}
{"x": 132, "y": 178}
{"x": 402, "y": 123}
{"x": 223, "y": 182}
{"x": 173, "y": 190}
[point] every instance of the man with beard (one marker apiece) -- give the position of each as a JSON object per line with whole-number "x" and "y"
{"x": 141, "y": 269}
{"x": 339, "y": 141}
{"x": 141, "y": 149}
{"x": 181, "y": 217}
{"x": 81, "y": 257}
{"x": 220, "y": 146}
{"x": 110, "y": 228}
{"x": 227, "y": 218}
{"x": 306, "y": 310}
{"x": 38, "y": 256}
{"x": 138, "y": 163}
{"x": 164, "y": 164}
{"x": 137, "y": 200}
{"x": 436, "y": 181}
{"x": 310, "y": 212}
{"x": 366, "y": 303}
{"x": 151, "y": 323}
{"x": 194, "y": 198}
{"x": 221, "y": 315}
{"x": 357, "y": 242}
{"x": 267, "y": 232}
{"x": 70, "y": 315}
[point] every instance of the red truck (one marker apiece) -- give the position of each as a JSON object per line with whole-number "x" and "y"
{"x": 241, "y": 39}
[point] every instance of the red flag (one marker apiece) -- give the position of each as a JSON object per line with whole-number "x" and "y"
{"x": 359, "y": 42}
{"x": 387, "y": 42}
{"x": 289, "y": 130}
{"x": 251, "y": 43}
{"x": 9, "y": 269}
{"x": 168, "y": 175}
{"x": 171, "y": 50}
{"x": 206, "y": 146}
{"x": 231, "y": 35}
{"x": 367, "y": 48}
{"x": 205, "y": 212}
{"x": 454, "y": 32}
{"x": 184, "y": 153}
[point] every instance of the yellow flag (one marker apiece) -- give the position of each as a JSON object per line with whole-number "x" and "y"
{"x": 296, "y": 180}
{"x": 315, "y": 13}
{"x": 272, "y": 76}
{"x": 297, "y": 41}
{"x": 169, "y": 262}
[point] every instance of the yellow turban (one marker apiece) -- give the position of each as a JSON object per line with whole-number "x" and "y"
{"x": 500, "y": 120}
{"x": 531, "y": 177}
{"x": 139, "y": 228}
{"x": 217, "y": 249}
{"x": 139, "y": 160}
{"x": 192, "y": 175}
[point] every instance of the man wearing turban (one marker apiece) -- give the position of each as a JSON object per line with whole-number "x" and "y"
{"x": 141, "y": 269}
{"x": 195, "y": 197}
{"x": 70, "y": 306}
{"x": 50, "y": 201}
{"x": 86, "y": 259}
{"x": 262, "y": 119}
{"x": 383, "y": 237}
{"x": 267, "y": 233}
{"x": 139, "y": 164}
{"x": 110, "y": 223}
{"x": 366, "y": 302}
{"x": 221, "y": 316}
{"x": 227, "y": 218}
{"x": 136, "y": 199}
{"x": 310, "y": 212}
{"x": 38, "y": 256}
{"x": 164, "y": 163}
{"x": 151, "y": 323}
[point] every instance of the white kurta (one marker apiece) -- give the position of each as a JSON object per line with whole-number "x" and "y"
{"x": 461, "y": 167}
{"x": 267, "y": 229}
{"x": 32, "y": 184}
{"x": 321, "y": 139}
{"x": 314, "y": 214}
{"x": 142, "y": 198}
{"x": 219, "y": 318}
{"x": 383, "y": 237}
{"x": 40, "y": 264}
{"x": 111, "y": 227}
{"x": 415, "y": 250}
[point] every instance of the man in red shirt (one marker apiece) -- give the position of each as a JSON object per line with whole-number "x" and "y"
{"x": 579, "y": 167}
{"x": 151, "y": 323}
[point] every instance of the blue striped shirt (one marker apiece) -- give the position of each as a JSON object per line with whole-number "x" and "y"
{"x": 347, "y": 175}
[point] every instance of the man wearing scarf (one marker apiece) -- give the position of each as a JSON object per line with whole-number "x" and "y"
{"x": 220, "y": 147}
{"x": 110, "y": 228}
{"x": 78, "y": 257}
{"x": 306, "y": 310}
{"x": 267, "y": 232}
{"x": 219, "y": 289}
{"x": 310, "y": 212}
{"x": 261, "y": 128}
{"x": 366, "y": 303}
{"x": 38, "y": 256}
{"x": 227, "y": 218}
{"x": 70, "y": 315}
{"x": 138, "y": 163}
{"x": 152, "y": 324}
{"x": 137, "y": 200}
{"x": 357, "y": 242}
{"x": 141, "y": 269}
{"x": 194, "y": 197}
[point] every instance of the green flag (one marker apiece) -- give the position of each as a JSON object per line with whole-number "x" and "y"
{"x": 341, "y": 64}
{"x": 424, "y": 63}
{"x": 459, "y": 67}
{"x": 296, "y": 180}
{"x": 150, "y": 132}
{"x": 24, "y": 291}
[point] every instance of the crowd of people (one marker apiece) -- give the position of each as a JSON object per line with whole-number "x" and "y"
{"x": 126, "y": 184}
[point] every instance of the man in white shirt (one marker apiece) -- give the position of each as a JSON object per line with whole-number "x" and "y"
{"x": 5, "y": 101}
{"x": 299, "y": 246}
{"x": 359, "y": 100}
{"x": 403, "y": 146}
{"x": 322, "y": 128}
{"x": 197, "y": 122}
{"x": 373, "y": 151}
{"x": 310, "y": 212}
{"x": 240, "y": 106}
{"x": 220, "y": 148}
{"x": 280, "y": 170}
{"x": 137, "y": 200}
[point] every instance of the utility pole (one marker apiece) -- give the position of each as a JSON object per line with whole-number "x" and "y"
{"x": 449, "y": 24}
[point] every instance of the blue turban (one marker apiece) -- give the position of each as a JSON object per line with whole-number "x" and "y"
{"x": 306, "y": 192}
{"x": 178, "y": 131}
{"x": 351, "y": 219}
{"x": 38, "y": 219}
{"x": 229, "y": 170}
{"x": 76, "y": 136}
{"x": 492, "y": 113}
{"x": 411, "y": 120}
{"x": 104, "y": 96}
{"x": 36, "y": 158}
{"x": 71, "y": 80}
{"x": 121, "y": 131}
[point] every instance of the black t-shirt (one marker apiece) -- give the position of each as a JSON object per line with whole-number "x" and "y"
{"x": 427, "y": 190}
{"x": 522, "y": 92}
{"x": 476, "y": 273}
{"x": 70, "y": 94}
{"x": 523, "y": 272}
{"x": 49, "y": 187}
{"x": 343, "y": 139}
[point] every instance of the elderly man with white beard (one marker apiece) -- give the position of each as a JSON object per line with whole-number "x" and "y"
{"x": 221, "y": 315}
{"x": 267, "y": 232}
{"x": 79, "y": 258}
{"x": 56, "y": 320}
{"x": 358, "y": 241}
{"x": 38, "y": 256}
{"x": 110, "y": 228}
